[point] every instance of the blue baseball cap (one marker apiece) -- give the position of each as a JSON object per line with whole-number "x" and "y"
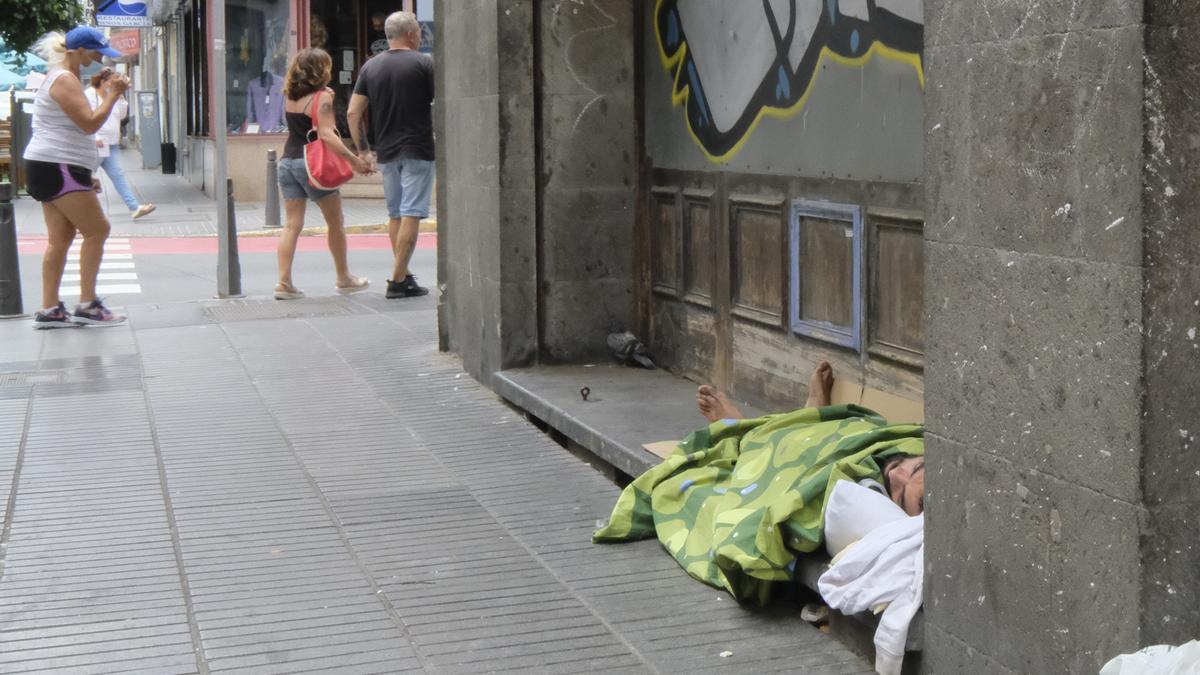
{"x": 86, "y": 37}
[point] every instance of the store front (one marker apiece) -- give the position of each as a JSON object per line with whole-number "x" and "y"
{"x": 261, "y": 37}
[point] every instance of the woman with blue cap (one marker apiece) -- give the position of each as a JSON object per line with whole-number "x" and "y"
{"x": 59, "y": 162}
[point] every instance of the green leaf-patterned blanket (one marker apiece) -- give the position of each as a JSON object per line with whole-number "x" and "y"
{"x": 739, "y": 499}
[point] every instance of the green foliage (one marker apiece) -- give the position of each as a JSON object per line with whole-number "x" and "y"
{"x": 24, "y": 21}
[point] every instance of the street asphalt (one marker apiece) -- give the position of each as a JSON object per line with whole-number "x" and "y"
{"x": 258, "y": 486}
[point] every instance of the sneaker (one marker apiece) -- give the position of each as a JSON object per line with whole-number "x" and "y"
{"x": 405, "y": 289}
{"x": 287, "y": 292}
{"x": 52, "y": 317}
{"x": 95, "y": 314}
{"x": 356, "y": 284}
{"x": 143, "y": 210}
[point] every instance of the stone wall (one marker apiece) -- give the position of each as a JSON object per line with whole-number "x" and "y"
{"x": 1060, "y": 292}
{"x": 536, "y": 133}
{"x": 587, "y": 173}
{"x": 484, "y": 119}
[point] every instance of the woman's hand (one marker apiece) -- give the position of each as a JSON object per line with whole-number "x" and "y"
{"x": 361, "y": 166}
{"x": 116, "y": 85}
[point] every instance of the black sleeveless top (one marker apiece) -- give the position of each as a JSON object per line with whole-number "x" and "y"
{"x": 298, "y": 124}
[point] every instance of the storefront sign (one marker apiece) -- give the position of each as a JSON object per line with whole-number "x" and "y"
{"x": 121, "y": 13}
{"x": 126, "y": 41}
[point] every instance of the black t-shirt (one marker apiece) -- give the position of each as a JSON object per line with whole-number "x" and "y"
{"x": 398, "y": 85}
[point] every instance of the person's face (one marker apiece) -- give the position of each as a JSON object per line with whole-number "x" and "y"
{"x": 906, "y": 484}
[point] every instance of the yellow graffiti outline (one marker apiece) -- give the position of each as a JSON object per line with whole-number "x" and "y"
{"x": 680, "y": 96}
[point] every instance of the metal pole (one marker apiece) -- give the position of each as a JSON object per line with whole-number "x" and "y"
{"x": 235, "y": 266}
{"x": 272, "y": 215}
{"x": 225, "y": 280}
{"x": 10, "y": 267}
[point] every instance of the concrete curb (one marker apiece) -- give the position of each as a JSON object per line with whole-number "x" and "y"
{"x": 427, "y": 225}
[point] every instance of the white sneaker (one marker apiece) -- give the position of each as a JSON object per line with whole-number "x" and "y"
{"x": 144, "y": 210}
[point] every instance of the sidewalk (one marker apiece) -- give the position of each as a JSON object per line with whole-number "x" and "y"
{"x": 185, "y": 211}
{"x": 268, "y": 487}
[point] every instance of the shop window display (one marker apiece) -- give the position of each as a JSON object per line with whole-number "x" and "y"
{"x": 256, "y": 62}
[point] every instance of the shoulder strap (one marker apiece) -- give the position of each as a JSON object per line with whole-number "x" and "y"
{"x": 316, "y": 100}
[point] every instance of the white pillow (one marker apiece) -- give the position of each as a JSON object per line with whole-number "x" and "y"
{"x": 854, "y": 510}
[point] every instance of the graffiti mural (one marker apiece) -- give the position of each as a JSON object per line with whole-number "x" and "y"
{"x": 734, "y": 62}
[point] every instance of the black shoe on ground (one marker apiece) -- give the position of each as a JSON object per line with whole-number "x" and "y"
{"x": 405, "y": 289}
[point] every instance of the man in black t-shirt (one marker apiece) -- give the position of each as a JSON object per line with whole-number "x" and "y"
{"x": 394, "y": 93}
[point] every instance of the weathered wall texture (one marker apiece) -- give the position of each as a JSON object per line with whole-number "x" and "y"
{"x": 486, "y": 198}
{"x": 749, "y": 106}
{"x": 588, "y": 142}
{"x": 537, "y": 181}
{"x": 1061, "y": 292}
{"x": 837, "y": 96}
{"x": 1171, "y": 315}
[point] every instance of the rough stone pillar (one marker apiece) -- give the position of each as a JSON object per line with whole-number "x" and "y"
{"x": 484, "y": 117}
{"x": 537, "y": 159}
{"x": 1063, "y": 300}
{"x": 588, "y": 174}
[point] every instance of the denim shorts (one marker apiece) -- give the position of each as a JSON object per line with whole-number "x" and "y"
{"x": 407, "y": 186}
{"x": 293, "y": 181}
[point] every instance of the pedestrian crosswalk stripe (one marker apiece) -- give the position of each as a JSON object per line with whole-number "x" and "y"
{"x": 117, "y": 256}
{"x": 74, "y": 256}
{"x": 104, "y": 289}
{"x": 108, "y": 245}
{"x": 105, "y": 276}
{"x": 104, "y": 265}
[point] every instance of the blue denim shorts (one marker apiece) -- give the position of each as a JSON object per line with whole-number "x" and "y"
{"x": 293, "y": 181}
{"x": 407, "y": 186}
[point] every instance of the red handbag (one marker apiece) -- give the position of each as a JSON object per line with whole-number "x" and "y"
{"x": 327, "y": 170}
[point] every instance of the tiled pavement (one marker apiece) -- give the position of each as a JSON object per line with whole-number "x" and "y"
{"x": 226, "y": 488}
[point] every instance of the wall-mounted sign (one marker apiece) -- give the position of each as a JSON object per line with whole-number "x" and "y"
{"x": 127, "y": 41}
{"x": 121, "y": 13}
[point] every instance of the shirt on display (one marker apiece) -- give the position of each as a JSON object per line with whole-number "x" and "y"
{"x": 264, "y": 102}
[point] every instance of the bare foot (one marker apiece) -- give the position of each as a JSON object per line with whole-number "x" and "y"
{"x": 820, "y": 386}
{"x": 715, "y": 405}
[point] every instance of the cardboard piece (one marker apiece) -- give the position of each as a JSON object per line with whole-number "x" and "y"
{"x": 662, "y": 449}
{"x": 896, "y": 409}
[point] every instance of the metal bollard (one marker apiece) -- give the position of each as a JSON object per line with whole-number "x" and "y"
{"x": 235, "y": 267}
{"x": 10, "y": 267}
{"x": 272, "y": 215}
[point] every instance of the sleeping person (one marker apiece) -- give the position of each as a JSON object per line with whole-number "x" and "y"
{"x": 740, "y": 499}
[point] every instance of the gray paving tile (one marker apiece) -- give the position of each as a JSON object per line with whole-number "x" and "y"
{"x": 397, "y": 517}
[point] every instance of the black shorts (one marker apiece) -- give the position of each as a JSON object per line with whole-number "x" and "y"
{"x": 47, "y": 181}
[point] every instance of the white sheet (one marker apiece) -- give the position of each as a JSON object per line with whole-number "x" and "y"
{"x": 884, "y": 566}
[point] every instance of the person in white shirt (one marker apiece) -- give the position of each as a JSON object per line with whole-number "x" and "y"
{"x": 109, "y": 136}
{"x": 59, "y": 161}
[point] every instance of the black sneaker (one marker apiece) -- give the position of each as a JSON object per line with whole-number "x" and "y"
{"x": 405, "y": 289}
{"x": 52, "y": 317}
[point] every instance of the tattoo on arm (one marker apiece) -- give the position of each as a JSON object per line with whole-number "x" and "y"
{"x": 327, "y": 107}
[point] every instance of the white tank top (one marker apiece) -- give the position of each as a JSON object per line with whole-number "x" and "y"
{"x": 55, "y": 137}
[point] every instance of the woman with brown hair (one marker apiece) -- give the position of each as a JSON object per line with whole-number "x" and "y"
{"x": 305, "y": 90}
